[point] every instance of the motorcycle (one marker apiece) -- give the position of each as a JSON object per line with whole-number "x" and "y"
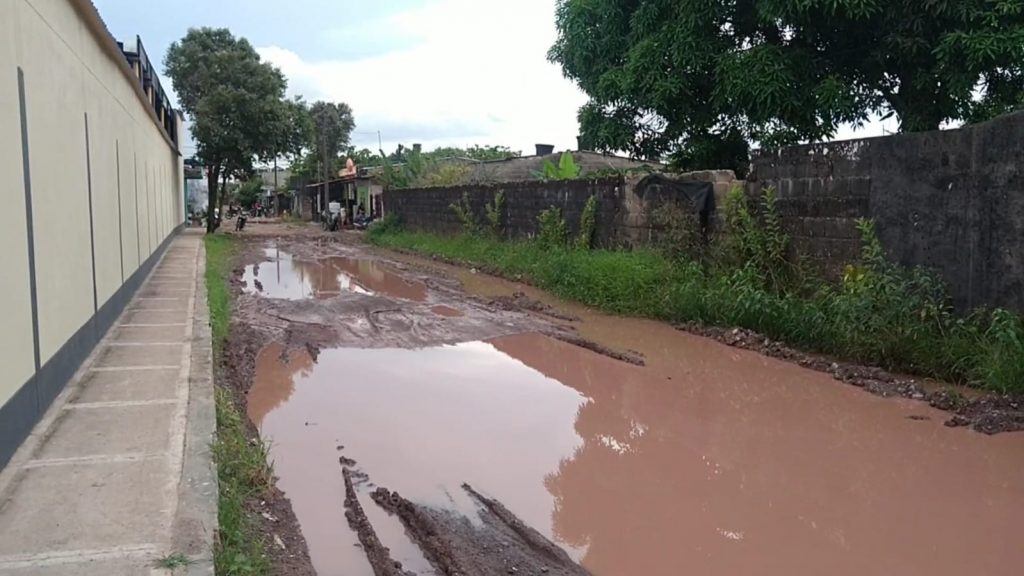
{"x": 363, "y": 222}
{"x": 240, "y": 221}
{"x": 330, "y": 221}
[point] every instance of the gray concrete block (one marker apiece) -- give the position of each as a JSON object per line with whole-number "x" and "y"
{"x": 122, "y": 567}
{"x": 108, "y": 431}
{"x": 165, "y": 302}
{"x": 146, "y": 334}
{"x": 129, "y": 385}
{"x": 148, "y": 355}
{"x": 86, "y": 506}
{"x": 149, "y": 317}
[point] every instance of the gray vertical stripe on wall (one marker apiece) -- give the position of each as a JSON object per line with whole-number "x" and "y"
{"x": 120, "y": 224}
{"x": 149, "y": 213}
{"x": 27, "y": 175}
{"x": 92, "y": 229}
{"x": 138, "y": 236}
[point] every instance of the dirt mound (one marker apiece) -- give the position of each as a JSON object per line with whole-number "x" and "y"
{"x": 520, "y": 301}
{"x": 628, "y": 356}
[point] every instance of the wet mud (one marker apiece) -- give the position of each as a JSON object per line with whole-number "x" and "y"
{"x": 499, "y": 544}
{"x": 695, "y": 457}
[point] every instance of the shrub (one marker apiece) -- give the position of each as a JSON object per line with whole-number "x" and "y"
{"x": 588, "y": 223}
{"x": 464, "y": 212}
{"x": 1002, "y": 367}
{"x": 553, "y": 231}
{"x": 493, "y": 213}
{"x": 679, "y": 234}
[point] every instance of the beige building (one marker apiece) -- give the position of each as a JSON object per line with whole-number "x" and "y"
{"x": 94, "y": 191}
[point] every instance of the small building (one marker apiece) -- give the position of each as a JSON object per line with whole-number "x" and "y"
{"x": 275, "y": 188}
{"x": 355, "y": 190}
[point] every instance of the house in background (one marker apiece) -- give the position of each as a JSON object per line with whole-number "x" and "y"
{"x": 276, "y": 194}
{"x": 358, "y": 188}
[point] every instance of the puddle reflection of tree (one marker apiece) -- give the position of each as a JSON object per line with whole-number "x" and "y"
{"x": 274, "y": 383}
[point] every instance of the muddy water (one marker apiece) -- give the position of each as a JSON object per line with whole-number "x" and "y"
{"x": 710, "y": 460}
{"x": 418, "y": 421}
{"x": 447, "y": 311}
{"x": 283, "y": 276}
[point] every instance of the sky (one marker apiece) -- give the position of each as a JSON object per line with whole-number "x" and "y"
{"x": 434, "y": 72}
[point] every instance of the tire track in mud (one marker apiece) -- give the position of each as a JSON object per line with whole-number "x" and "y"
{"x": 501, "y": 544}
{"x": 376, "y": 553}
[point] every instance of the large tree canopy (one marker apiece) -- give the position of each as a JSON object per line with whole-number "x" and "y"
{"x": 699, "y": 79}
{"x": 332, "y": 126}
{"x": 235, "y": 102}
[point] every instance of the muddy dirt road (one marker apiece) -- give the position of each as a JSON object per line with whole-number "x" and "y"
{"x": 667, "y": 454}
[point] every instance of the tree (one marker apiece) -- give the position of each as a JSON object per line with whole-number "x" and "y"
{"x": 699, "y": 79}
{"x": 249, "y": 192}
{"x": 363, "y": 157}
{"x": 481, "y": 153}
{"x": 235, "y": 102}
{"x": 332, "y": 126}
{"x": 296, "y": 133}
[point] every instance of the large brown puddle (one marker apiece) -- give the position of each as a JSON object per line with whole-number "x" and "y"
{"x": 710, "y": 460}
{"x": 285, "y": 277}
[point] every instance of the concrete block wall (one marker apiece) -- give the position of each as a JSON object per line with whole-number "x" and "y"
{"x": 623, "y": 215}
{"x": 429, "y": 209}
{"x": 94, "y": 190}
{"x": 951, "y": 201}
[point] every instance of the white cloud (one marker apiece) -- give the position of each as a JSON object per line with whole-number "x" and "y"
{"x": 475, "y": 72}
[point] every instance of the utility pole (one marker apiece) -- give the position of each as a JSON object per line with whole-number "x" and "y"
{"x": 274, "y": 191}
{"x": 326, "y": 170}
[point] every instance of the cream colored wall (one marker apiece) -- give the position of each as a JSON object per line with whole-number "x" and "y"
{"x": 16, "y": 350}
{"x": 68, "y": 74}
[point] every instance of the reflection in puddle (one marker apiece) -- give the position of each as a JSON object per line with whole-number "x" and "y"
{"x": 284, "y": 277}
{"x": 739, "y": 464}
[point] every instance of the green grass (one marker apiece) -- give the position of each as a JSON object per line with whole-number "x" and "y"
{"x": 888, "y": 317}
{"x": 219, "y": 253}
{"x": 173, "y": 561}
{"x": 243, "y": 471}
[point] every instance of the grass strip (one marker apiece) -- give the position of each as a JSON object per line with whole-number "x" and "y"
{"x": 242, "y": 469}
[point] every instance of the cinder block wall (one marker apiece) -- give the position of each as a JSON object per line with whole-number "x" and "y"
{"x": 623, "y": 215}
{"x": 429, "y": 209}
{"x": 93, "y": 191}
{"x": 951, "y": 201}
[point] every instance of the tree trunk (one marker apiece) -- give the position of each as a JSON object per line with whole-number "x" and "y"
{"x": 223, "y": 191}
{"x": 212, "y": 176}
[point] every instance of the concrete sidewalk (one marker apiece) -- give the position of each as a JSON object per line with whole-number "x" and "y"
{"x": 118, "y": 473}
